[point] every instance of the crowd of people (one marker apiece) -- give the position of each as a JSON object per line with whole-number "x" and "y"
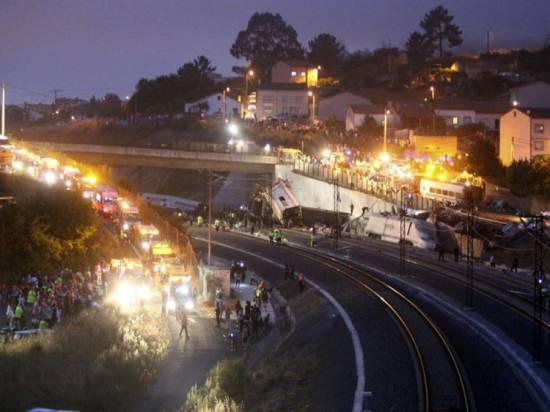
{"x": 39, "y": 301}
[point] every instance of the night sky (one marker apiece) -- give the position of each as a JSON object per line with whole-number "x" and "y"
{"x": 90, "y": 47}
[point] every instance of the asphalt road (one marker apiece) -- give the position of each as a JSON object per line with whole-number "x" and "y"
{"x": 388, "y": 365}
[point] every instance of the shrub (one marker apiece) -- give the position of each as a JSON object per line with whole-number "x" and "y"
{"x": 96, "y": 361}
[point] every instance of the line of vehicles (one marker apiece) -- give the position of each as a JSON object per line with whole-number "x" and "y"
{"x": 157, "y": 264}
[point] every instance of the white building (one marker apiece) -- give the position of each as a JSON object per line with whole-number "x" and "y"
{"x": 215, "y": 105}
{"x": 532, "y": 95}
{"x": 524, "y": 134}
{"x": 460, "y": 112}
{"x": 338, "y": 104}
{"x": 282, "y": 101}
{"x": 357, "y": 113}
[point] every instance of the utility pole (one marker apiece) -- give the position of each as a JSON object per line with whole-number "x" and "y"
{"x": 3, "y": 111}
{"x": 538, "y": 280}
{"x": 403, "y": 229}
{"x": 469, "y": 247}
{"x": 55, "y": 91}
{"x": 337, "y": 211}
{"x": 209, "y": 215}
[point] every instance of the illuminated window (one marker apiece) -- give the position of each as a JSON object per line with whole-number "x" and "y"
{"x": 303, "y": 73}
{"x": 293, "y": 73}
{"x": 455, "y": 120}
{"x": 539, "y": 128}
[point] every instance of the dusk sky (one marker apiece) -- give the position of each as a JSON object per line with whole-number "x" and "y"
{"x": 87, "y": 47}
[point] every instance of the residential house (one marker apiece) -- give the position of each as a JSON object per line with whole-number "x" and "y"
{"x": 337, "y": 105}
{"x": 460, "y": 112}
{"x": 531, "y": 95}
{"x": 524, "y": 134}
{"x": 282, "y": 101}
{"x": 357, "y": 113}
{"x": 295, "y": 71}
{"x": 215, "y": 105}
{"x": 415, "y": 114}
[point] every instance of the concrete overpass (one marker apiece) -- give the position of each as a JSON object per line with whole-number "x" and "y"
{"x": 162, "y": 158}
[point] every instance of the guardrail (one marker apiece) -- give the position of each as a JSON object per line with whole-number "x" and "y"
{"x": 357, "y": 181}
{"x": 227, "y": 156}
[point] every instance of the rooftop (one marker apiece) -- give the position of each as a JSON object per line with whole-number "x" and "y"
{"x": 283, "y": 86}
{"x": 536, "y": 113}
{"x": 368, "y": 108}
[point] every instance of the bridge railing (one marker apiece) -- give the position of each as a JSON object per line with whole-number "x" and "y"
{"x": 358, "y": 181}
{"x": 235, "y": 155}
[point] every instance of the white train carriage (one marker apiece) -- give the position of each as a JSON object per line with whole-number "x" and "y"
{"x": 419, "y": 233}
{"x": 445, "y": 192}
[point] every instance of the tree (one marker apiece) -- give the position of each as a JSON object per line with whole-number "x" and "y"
{"x": 419, "y": 50}
{"x": 327, "y": 51}
{"x": 370, "y": 128}
{"x": 267, "y": 40}
{"x": 111, "y": 106}
{"x": 489, "y": 84}
{"x": 483, "y": 159}
{"x": 440, "y": 30}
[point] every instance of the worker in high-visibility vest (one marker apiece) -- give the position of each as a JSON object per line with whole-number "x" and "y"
{"x": 200, "y": 220}
{"x": 217, "y": 224}
{"x": 278, "y": 236}
{"x": 31, "y": 297}
{"x": 18, "y": 316}
{"x": 311, "y": 240}
{"x": 271, "y": 235}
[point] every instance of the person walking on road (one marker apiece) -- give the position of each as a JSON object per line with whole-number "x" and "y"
{"x": 457, "y": 253}
{"x": 515, "y": 264}
{"x": 492, "y": 261}
{"x": 287, "y": 271}
{"x": 184, "y": 324}
{"x": 218, "y": 313}
{"x": 301, "y": 282}
{"x": 441, "y": 256}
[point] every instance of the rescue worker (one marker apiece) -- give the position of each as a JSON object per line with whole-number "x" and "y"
{"x": 515, "y": 264}
{"x": 287, "y": 271}
{"x": 278, "y": 236}
{"x": 301, "y": 282}
{"x": 217, "y": 224}
{"x": 184, "y": 324}
{"x": 18, "y": 317}
{"x": 42, "y": 326}
{"x": 271, "y": 235}
{"x": 200, "y": 220}
{"x": 31, "y": 297}
{"x": 312, "y": 240}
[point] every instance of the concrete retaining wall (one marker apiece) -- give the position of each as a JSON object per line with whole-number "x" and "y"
{"x": 318, "y": 194}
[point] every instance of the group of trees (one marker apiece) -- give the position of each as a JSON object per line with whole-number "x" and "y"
{"x": 438, "y": 34}
{"x": 268, "y": 39}
{"x": 167, "y": 94}
{"x": 46, "y": 230}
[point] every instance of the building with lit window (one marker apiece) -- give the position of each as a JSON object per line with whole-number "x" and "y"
{"x": 283, "y": 101}
{"x": 295, "y": 71}
{"x": 524, "y": 134}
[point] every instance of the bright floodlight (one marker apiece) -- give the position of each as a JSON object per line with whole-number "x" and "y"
{"x": 50, "y": 178}
{"x": 326, "y": 153}
{"x": 233, "y": 129}
{"x": 189, "y": 305}
{"x": 385, "y": 157}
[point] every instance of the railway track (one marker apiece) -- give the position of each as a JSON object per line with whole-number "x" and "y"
{"x": 498, "y": 294}
{"x": 442, "y": 383}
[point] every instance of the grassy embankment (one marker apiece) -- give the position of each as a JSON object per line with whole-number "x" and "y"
{"x": 99, "y": 361}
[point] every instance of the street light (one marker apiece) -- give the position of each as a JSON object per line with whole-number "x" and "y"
{"x": 247, "y": 74}
{"x": 386, "y": 113}
{"x": 312, "y": 95}
{"x": 233, "y": 129}
{"x": 432, "y": 90}
{"x": 225, "y": 91}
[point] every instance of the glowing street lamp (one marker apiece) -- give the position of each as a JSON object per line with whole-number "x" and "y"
{"x": 386, "y": 114}
{"x": 225, "y": 91}
{"x": 312, "y": 95}
{"x": 247, "y": 74}
{"x": 233, "y": 129}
